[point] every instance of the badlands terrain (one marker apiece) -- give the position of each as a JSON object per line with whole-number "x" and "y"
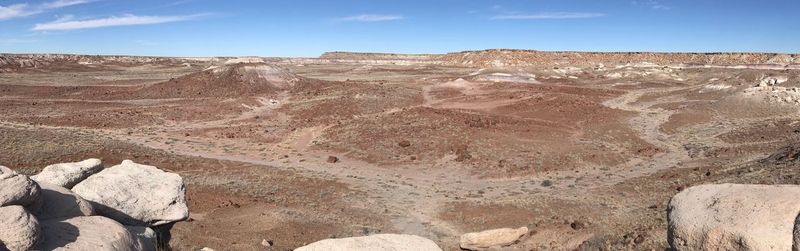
{"x": 583, "y": 149}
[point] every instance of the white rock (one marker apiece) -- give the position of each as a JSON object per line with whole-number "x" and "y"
{"x": 87, "y": 233}
{"x": 266, "y": 243}
{"x": 136, "y": 195}
{"x": 59, "y": 202}
{"x": 246, "y": 60}
{"x": 69, "y": 174}
{"x": 145, "y": 236}
{"x": 734, "y": 217}
{"x": 492, "y": 238}
{"x": 19, "y": 230}
{"x": 378, "y": 242}
{"x": 770, "y": 81}
{"x": 18, "y": 189}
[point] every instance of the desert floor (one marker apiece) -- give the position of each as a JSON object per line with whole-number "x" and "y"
{"x": 295, "y": 153}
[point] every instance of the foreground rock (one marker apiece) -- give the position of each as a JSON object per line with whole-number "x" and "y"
{"x": 88, "y": 233}
{"x": 145, "y": 236}
{"x": 17, "y": 189}
{"x": 734, "y": 217}
{"x": 378, "y": 242}
{"x": 59, "y": 202}
{"x": 69, "y": 174}
{"x": 494, "y": 238}
{"x": 19, "y": 230}
{"x": 135, "y": 194}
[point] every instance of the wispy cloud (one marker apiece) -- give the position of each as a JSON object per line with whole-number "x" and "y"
{"x": 653, "y": 4}
{"x": 549, "y": 15}
{"x": 15, "y": 11}
{"x": 24, "y": 9}
{"x": 127, "y": 20}
{"x": 371, "y": 18}
{"x": 63, "y": 3}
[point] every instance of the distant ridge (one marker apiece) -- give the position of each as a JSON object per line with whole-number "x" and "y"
{"x": 479, "y": 58}
{"x": 513, "y": 57}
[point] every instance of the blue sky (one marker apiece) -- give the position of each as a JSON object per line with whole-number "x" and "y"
{"x": 308, "y": 28}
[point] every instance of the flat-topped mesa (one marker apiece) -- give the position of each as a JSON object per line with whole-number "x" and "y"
{"x": 379, "y": 58}
{"x": 375, "y": 56}
{"x": 508, "y": 57}
{"x": 530, "y": 57}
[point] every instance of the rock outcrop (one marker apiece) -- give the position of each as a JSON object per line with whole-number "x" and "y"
{"x": 134, "y": 194}
{"x": 87, "y": 233}
{"x": 494, "y": 238}
{"x": 59, "y": 202}
{"x": 378, "y": 242}
{"x": 734, "y": 217}
{"x": 17, "y": 189}
{"x": 43, "y": 216}
{"x": 19, "y": 230}
{"x": 69, "y": 174}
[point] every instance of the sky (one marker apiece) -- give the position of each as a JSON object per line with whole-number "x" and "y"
{"x": 307, "y": 28}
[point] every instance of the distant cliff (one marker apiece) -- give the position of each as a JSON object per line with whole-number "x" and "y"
{"x": 380, "y": 58}
{"x": 502, "y": 57}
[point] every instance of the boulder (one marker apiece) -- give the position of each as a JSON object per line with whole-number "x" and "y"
{"x": 378, "y": 242}
{"x": 733, "y": 217}
{"x": 18, "y": 189}
{"x": 492, "y": 238}
{"x": 69, "y": 174}
{"x": 145, "y": 236}
{"x": 266, "y": 243}
{"x": 59, "y": 202}
{"x": 136, "y": 195}
{"x": 87, "y": 233}
{"x": 19, "y": 230}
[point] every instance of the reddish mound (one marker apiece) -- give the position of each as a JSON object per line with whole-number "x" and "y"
{"x": 226, "y": 81}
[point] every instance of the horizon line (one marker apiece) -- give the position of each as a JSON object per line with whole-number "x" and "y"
{"x": 402, "y": 53}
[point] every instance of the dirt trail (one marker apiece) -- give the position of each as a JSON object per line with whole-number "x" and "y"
{"x": 648, "y": 123}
